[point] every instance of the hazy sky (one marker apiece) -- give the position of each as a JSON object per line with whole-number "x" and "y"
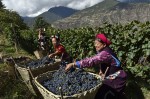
{"x": 36, "y": 7}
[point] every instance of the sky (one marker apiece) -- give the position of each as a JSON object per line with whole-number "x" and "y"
{"x": 32, "y": 8}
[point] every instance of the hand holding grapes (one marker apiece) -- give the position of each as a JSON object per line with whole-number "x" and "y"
{"x": 69, "y": 66}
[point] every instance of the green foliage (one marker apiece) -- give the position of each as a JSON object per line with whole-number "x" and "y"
{"x": 13, "y": 88}
{"x": 6, "y": 19}
{"x": 28, "y": 40}
{"x": 1, "y": 5}
{"x": 40, "y": 23}
{"x": 11, "y": 26}
{"x": 130, "y": 42}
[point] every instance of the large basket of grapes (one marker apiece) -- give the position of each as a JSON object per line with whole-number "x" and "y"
{"x": 10, "y": 62}
{"x": 76, "y": 84}
{"x": 33, "y": 68}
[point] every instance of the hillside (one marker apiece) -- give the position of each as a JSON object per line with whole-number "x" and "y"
{"x": 52, "y": 15}
{"x": 62, "y": 11}
{"x": 111, "y": 11}
{"x": 135, "y": 1}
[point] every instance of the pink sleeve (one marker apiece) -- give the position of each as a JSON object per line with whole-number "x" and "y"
{"x": 102, "y": 57}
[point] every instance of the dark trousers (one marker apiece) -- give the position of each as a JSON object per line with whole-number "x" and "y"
{"x": 106, "y": 92}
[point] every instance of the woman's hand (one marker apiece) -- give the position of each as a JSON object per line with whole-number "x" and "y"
{"x": 51, "y": 55}
{"x": 68, "y": 67}
{"x": 101, "y": 74}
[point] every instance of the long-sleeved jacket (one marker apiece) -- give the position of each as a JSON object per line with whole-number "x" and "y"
{"x": 101, "y": 57}
{"x": 105, "y": 58}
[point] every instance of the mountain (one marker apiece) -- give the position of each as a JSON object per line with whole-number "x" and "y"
{"x": 62, "y": 11}
{"x": 50, "y": 16}
{"x": 112, "y": 11}
{"x": 134, "y": 1}
{"x": 28, "y": 20}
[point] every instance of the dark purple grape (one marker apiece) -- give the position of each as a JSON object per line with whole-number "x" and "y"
{"x": 73, "y": 82}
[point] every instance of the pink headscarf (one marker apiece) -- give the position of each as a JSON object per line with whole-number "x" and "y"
{"x": 103, "y": 38}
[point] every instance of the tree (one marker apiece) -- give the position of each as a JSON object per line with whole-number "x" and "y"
{"x": 1, "y": 5}
{"x": 11, "y": 26}
{"x": 14, "y": 36}
{"x": 40, "y": 23}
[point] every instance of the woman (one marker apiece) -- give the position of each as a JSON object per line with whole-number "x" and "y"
{"x": 114, "y": 77}
{"x": 59, "y": 49}
{"x": 43, "y": 40}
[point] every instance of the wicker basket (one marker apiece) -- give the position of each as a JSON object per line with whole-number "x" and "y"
{"x": 24, "y": 72}
{"x": 29, "y": 74}
{"x": 38, "y": 54}
{"x": 89, "y": 94}
{"x": 11, "y": 68}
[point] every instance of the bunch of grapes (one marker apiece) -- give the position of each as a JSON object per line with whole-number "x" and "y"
{"x": 72, "y": 82}
{"x": 39, "y": 63}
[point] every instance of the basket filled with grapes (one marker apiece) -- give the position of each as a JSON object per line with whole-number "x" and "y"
{"x": 76, "y": 84}
{"x": 33, "y": 68}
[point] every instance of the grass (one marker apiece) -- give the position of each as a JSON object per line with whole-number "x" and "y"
{"x": 15, "y": 89}
{"x": 137, "y": 88}
{"x": 11, "y": 87}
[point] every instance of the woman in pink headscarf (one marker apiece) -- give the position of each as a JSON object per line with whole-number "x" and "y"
{"x": 114, "y": 77}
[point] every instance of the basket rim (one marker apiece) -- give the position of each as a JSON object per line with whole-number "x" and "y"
{"x": 74, "y": 95}
{"x": 56, "y": 61}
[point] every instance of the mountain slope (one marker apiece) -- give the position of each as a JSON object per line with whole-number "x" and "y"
{"x": 133, "y": 1}
{"x": 62, "y": 11}
{"x": 111, "y": 11}
{"x": 51, "y": 15}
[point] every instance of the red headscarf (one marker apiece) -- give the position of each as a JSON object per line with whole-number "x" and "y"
{"x": 103, "y": 38}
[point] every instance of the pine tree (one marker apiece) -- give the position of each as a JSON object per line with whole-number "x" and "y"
{"x": 40, "y": 23}
{"x": 1, "y": 5}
